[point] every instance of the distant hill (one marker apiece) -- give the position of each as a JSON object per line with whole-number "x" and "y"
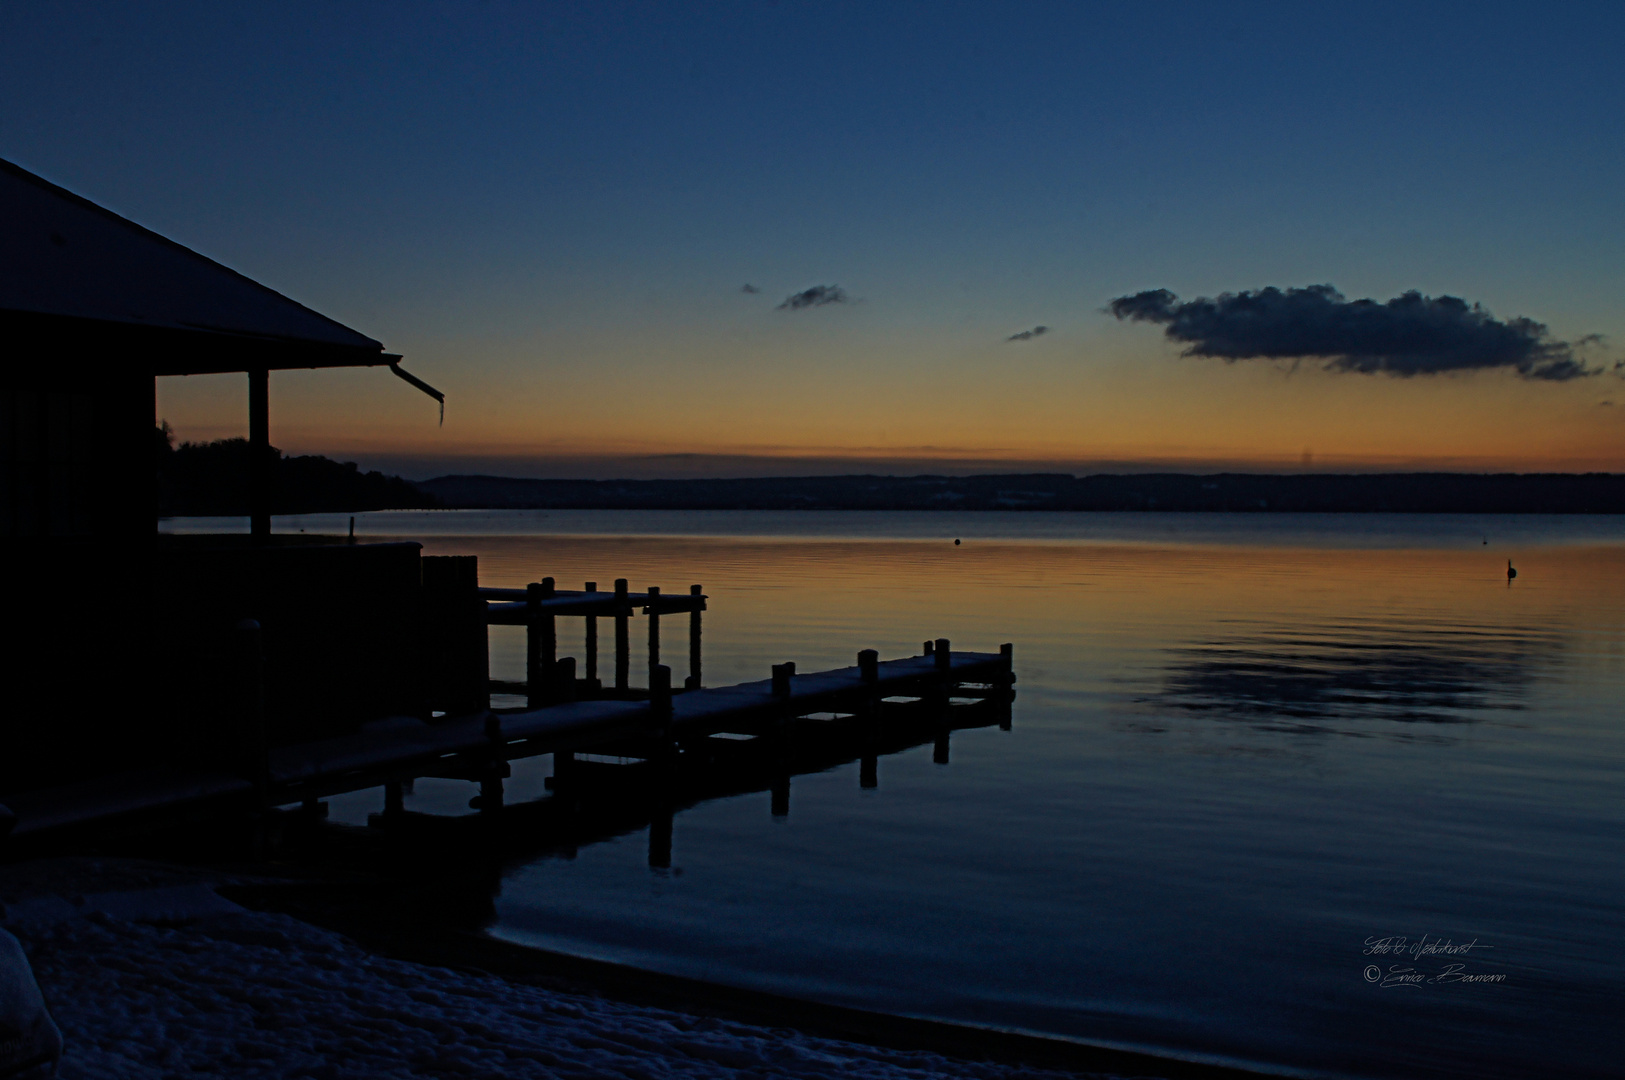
{"x": 212, "y": 478}
{"x": 1472, "y": 493}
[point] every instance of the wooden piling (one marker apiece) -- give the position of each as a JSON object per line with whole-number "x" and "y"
{"x": 660, "y": 838}
{"x": 541, "y": 645}
{"x": 494, "y": 769}
{"x": 591, "y": 646}
{"x": 534, "y": 697}
{"x": 939, "y": 751}
{"x": 693, "y": 680}
{"x": 654, "y": 628}
{"x": 1007, "y": 652}
{"x": 394, "y": 798}
{"x": 660, "y": 696}
{"x": 781, "y": 796}
{"x": 869, "y": 672}
{"x": 260, "y": 461}
{"x": 623, "y": 642}
{"x": 869, "y": 772}
{"x": 781, "y": 679}
{"x": 564, "y": 679}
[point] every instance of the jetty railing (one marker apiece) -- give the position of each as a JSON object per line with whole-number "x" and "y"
{"x": 538, "y": 606}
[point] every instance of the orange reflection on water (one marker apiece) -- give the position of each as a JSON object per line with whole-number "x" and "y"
{"x": 1076, "y": 611}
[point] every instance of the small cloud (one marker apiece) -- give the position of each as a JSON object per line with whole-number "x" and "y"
{"x": 817, "y": 296}
{"x": 1409, "y": 335}
{"x": 749, "y": 288}
{"x": 1028, "y": 335}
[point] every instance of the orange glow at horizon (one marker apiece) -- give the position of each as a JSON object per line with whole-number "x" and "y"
{"x": 977, "y": 406}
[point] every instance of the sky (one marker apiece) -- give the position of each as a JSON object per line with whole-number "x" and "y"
{"x": 552, "y": 211}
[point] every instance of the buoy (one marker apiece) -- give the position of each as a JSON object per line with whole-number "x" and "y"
{"x": 956, "y": 542}
{"x": 1512, "y": 571}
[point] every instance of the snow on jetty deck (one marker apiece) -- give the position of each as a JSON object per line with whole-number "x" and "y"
{"x": 657, "y": 725}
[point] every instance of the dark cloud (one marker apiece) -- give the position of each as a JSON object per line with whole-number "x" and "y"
{"x": 749, "y": 288}
{"x": 817, "y": 296}
{"x": 1028, "y": 335}
{"x": 1409, "y": 335}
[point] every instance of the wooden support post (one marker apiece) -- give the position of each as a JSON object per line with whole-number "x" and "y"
{"x": 939, "y": 752}
{"x": 394, "y": 797}
{"x": 534, "y": 695}
{"x": 259, "y": 455}
{"x": 929, "y": 646}
{"x": 660, "y": 697}
{"x": 654, "y": 629}
{"x": 693, "y": 680}
{"x": 660, "y": 838}
{"x": 868, "y": 772}
{"x": 782, "y": 674}
{"x": 940, "y": 693}
{"x": 591, "y": 647}
{"x": 495, "y": 768}
{"x": 781, "y": 796}
{"x": 541, "y": 646}
{"x": 1008, "y": 652}
{"x": 623, "y": 643}
{"x": 564, "y": 679}
{"x": 869, "y": 672}
{"x": 563, "y": 765}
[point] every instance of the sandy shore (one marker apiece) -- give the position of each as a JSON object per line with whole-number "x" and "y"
{"x": 157, "y": 970}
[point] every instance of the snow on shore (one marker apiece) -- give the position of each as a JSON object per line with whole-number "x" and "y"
{"x": 170, "y": 981}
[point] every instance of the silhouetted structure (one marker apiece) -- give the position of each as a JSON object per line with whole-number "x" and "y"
{"x": 104, "y": 619}
{"x": 154, "y": 673}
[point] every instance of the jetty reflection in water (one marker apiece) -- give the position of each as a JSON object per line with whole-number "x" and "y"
{"x": 1342, "y": 677}
{"x": 1173, "y": 849}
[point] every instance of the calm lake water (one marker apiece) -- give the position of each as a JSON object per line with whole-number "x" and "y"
{"x": 1248, "y": 754}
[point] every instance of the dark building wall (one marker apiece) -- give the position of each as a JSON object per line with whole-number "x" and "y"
{"x": 76, "y": 533}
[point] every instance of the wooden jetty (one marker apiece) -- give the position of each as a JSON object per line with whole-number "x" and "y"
{"x": 663, "y": 726}
{"x": 244, "y": 673}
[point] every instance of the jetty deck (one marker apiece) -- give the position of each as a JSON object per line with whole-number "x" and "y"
{"x": 477, "y": 747}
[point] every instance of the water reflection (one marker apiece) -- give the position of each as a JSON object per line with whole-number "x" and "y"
{"x": 1345, "y": 678}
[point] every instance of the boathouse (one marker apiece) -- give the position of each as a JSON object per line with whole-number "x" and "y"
{"x": 152, "y": 674}
{"x": 114, "y": 653}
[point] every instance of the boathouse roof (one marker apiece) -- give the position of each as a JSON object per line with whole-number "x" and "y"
{"x": 67, "y": 264}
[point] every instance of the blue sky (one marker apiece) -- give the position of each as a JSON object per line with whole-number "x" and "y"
{"x": 551, "y": 209}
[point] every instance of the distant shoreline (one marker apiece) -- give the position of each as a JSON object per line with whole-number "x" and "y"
{"x": 1435, "y": 493}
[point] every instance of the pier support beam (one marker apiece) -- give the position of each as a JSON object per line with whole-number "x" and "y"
{"x": 653, "y": 612}
{"x": 541, "y": 645}
{"x": 623, "y": 640}
{"x": 660, "y": 838}
{"x": 259, "y": 455}
{"x": 693, "y": 680}
{"x": 591, "y": 645}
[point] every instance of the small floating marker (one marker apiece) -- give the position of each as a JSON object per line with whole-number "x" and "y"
{"x": 956, "y": 541}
